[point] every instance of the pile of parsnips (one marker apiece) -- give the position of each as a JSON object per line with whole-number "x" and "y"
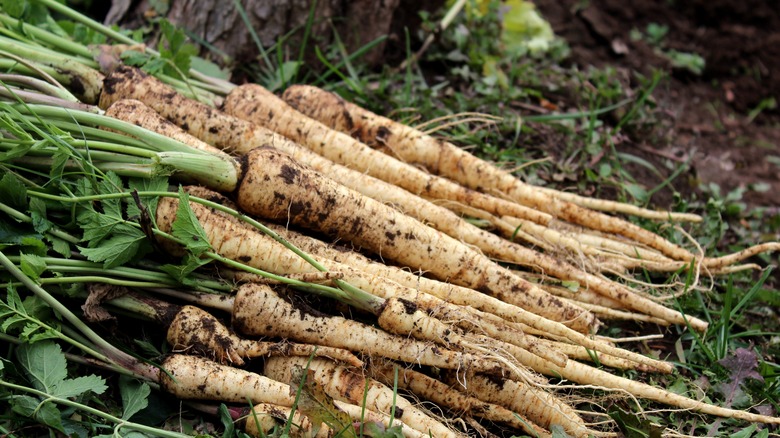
{"x": 469, "y": 335}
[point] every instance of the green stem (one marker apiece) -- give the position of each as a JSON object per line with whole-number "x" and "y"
{"x": 215, "y": 171}
{"x": 53, "y": 75}
{"x": 37, "y": 98}
{"x": 40, "y": 85}
{"x": 151, "y": 273}
{"x": 153, "y": 140}
{"x": 116, "y": 356}
{"x": 91, "y": 78}
{"x": 60, "y": 43}
{"x": 98, "y": 151}
{"x": 220, "y": 302}
{"x": 120, "y": 423}
{"x": 132, "y": 170}
{"x": 96, "y": 133}
{"x": 101, "y": 279}
{"x": 54, "y": 231}
{"x": 59, "y": 335}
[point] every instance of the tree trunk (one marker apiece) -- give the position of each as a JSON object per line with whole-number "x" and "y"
{"x": 218, "y": 23}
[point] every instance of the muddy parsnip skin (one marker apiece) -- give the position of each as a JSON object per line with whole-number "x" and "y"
{"x": 239, "y": 241}
{"x": 451, "y": 398}
{"x": 260, "y": 311}
{"x": 193, "y": 377}
{"x": 263, "y": 417}
{"x": 487, "y": 308}
{"x": 202, "y": 121}
{"x": 136, "y": 112}
{"x": 276, "y": 187}
{"x": 445, "y": 159}
{"x": 349, "y": 385}
{"x": 256, "y": 104}
{"x": 198, "y": 332}
{"x": 540, "y": 406}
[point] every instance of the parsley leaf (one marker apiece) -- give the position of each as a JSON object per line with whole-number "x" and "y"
{"x": 13, "y": 192}
{"x": 120, "y": 248}
{"x": 134, "y": 396}
{"x": 46, "y": 368}
{"x": 187, "y": 228}
{"x": 32, "y": 265}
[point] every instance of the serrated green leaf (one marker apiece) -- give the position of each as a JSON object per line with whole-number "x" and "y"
{"x": 30, "y": 331}
{"x": 37, "y": 208}
{"x": 134, "y": 58}
{"x": 44, "y": 363}
{"x": 181, "y": 272}
{"x": 158, "y": 184}
{"x": 60, "y": 246}
{"x": 118, "y": 249}
{"x": 84, "y": 187}
{"x": 173, "y": 48}
{"x": 24, "y": 405}
{"x": 13, "y": 192}
{"x": 154, "y": 66}
{"x": 37, "y": 308}
{"x": 33, "y": 245}
{"x": 42, "y": 335}
{"x": 32, "y": 265}
{"x": 111, "y": 184}
{"x": 12, "y": 321}
{"x": 79, "y": 385}
{"x": 187, "y": 228}
{"x": 98, "y": 226}
{"x": 59, "y": 160}
{"x": 134, "y": 396}
{"x": 14, "y": 8}
{"x": 209, "y": 68}
{"x": 745, "y": 433}
{"x": 49, "y": 415}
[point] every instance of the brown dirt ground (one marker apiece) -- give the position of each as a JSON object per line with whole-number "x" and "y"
{"x": 706, "y": 115}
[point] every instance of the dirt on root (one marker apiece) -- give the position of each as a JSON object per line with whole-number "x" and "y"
{"x": 717, "y": 116}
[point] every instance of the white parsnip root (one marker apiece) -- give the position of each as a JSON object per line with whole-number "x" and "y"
{"x": 349, "y": 385}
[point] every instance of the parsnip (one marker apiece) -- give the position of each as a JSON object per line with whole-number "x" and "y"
{"x": 260, "y": 311}
{"x": 196, "y": 331}
{"x": 287, "y": 191}
{"x": 347, "y": 385}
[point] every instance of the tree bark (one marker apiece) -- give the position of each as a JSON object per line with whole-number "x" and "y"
{"x": 218, "y": 23}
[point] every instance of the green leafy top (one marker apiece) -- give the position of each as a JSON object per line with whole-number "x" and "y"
{"x": 45, "y": 365}
{"x": 175, "y": 54}
{"x": 111, "y": 238}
